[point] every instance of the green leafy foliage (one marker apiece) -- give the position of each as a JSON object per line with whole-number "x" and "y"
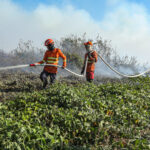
{"x": 78, "y": 116}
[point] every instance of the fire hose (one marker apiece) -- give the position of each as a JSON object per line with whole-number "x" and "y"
{"x": 76, "y": 74}
{"x": 27, "y": 65}
{"x": 121, "y": 74}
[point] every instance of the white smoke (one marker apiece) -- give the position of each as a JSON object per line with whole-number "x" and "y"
{"x": 127, "y": 25}
{"x": 42, "y": 23}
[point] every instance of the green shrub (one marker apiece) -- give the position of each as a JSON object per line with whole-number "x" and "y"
{"x": 80, "y": 116}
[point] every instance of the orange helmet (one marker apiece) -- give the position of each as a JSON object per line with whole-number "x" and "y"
{"x": 88, "y": 43}
{"x": 48, "y": 42}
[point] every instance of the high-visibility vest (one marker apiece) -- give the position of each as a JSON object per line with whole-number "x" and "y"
{"x": 91, "y": 61}
{"x": 52, "y": 57}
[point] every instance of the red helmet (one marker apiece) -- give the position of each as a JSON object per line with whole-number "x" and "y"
{"x": 48, "y": 42}
{"x": 88, "y": 43}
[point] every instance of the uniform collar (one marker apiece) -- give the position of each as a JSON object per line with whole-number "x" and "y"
{"x": 52, "y": 50}
{"x": 91, "y": 51}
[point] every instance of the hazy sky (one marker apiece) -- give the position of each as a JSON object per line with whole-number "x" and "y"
{"x": 125, "y": 22}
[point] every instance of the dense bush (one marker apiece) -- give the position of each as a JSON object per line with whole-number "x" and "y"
{"x": 78, "y": 116}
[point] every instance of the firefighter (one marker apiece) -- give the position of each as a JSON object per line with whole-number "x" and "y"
{"x": 51, "y": 57}
{"x": 92, "y": 59}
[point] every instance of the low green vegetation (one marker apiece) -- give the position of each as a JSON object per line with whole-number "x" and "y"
{"x": 69, "y": 116}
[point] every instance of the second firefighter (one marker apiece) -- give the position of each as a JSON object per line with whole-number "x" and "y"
{"x": 92, "y": 59}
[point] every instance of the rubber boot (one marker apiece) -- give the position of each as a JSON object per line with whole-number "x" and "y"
{"x": 44, "y": 83}
{"x": 90, "y": 80}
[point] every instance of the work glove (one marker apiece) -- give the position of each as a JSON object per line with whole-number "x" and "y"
{"x": 89, "y": 55}
{"x": 82, "y": 71}
{"x": 63, "y": 67}
{"x": 32, "y": 65}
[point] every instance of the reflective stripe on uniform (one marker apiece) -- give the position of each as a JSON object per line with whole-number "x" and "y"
{"x": 53, "y": 58}
{"x": 52, "y": 61}
{"x": 91, "y": 61}
{"x": 43, "y": 61}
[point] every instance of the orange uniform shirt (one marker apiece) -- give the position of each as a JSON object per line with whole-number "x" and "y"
{"x": 52, "y": 57}
{"x": 91, "y": 61}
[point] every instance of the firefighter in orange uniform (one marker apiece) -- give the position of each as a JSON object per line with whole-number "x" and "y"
{"x": 51, "y": 57}
{"x": 92, "y": 59}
